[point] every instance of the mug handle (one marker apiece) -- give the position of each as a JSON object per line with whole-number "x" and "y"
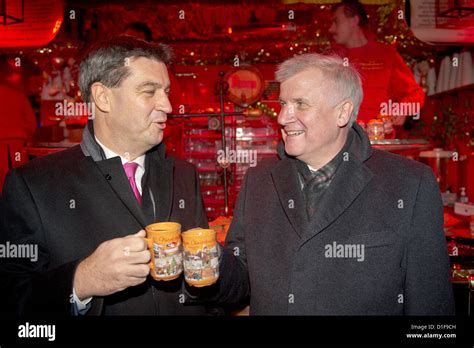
{"x": 149, "y": 242}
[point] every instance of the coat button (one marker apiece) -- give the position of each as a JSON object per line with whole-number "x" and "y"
{"x": 108, "y": 177}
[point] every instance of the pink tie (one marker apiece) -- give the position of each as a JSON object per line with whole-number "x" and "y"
{"x": 130, "y": 169}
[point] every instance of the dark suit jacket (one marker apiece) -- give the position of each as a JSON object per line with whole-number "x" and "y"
{"x": 388, "y": 204}
{"x": 68, "y": 203}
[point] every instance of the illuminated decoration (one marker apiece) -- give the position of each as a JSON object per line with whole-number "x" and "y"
{"x": 246, "y": 85}
{"x": 41, "y": 21}
{"x": 57, "y": 26}
{"x": 11, "y": 13}
{"x": 265, "y": 109}
{"x": 220, "y": 46}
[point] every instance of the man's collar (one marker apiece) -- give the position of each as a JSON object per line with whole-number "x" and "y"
{"x": 109, "y": 154}
{"x": 326, "y": 172}
{"x": 92, "y": 149}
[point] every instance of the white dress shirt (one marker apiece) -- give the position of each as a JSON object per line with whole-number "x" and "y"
{"x": 139, "y": 160}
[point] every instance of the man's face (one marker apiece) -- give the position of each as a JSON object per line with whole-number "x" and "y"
{"x": 342, "y": 27}
{"x": 309, "y": 123}
{"x": 139, "y": 105}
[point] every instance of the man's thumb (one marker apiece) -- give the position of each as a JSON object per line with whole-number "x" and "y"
{"x": 141, "y": 234}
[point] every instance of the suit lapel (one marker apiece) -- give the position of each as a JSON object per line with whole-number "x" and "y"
{"x": 158, "y": 187}
{"x": 351, "y": 178}
{"x": 114, "y": 175}
{"x": 288, "y": 187}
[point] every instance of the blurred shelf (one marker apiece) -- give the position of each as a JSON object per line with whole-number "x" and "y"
{"x": 201, "y": 145}
{"x": 401, "y": 144}
{"x": 64, "y": 143}
{"x": 465, "y": 88}
{"x": 202, "y": 155}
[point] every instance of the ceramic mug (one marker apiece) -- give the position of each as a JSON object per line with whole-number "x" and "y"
{"x": 164, "y": 243}
{"x": 200, "y": 257}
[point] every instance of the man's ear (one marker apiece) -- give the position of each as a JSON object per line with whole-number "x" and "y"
{"x": 101, "y": 96}
{"x": 345, "y": 111}
{"x": 355, "y": 21}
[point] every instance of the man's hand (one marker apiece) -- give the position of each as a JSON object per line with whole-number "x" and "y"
{"x": 399, "y": 120}
{"x": 115, "y": 265}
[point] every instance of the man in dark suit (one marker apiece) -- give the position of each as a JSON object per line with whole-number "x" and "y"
{"x": 86, "y": 208}
{"x": 333, "y": 226}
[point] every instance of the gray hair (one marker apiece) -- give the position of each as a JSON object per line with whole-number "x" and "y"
{"x": 346, "y": 80}
{"x": 106, "y": 61}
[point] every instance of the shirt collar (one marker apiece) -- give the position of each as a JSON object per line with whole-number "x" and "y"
{"x": 110, "y": 154}
{"x": 326, "y": 172}
{"x": 323, "y": 174}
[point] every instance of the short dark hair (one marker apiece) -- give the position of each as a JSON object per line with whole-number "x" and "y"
{"x": 141, "y": 27}
{"x": 353, "y": 8}
{"x": 105, "y": 61}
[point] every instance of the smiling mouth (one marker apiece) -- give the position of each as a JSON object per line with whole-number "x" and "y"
{"x": 293, "y": 133}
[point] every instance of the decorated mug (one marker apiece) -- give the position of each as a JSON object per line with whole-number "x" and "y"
{"x": 200, "y": 257}
{"x": 164, "y": 243}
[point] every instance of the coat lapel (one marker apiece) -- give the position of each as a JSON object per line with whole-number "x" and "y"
{"x": 114, "y": 175}
{"x": 158, "y": 186}
{"x": 351, "y": 178}
{"x": 289, "y": 192}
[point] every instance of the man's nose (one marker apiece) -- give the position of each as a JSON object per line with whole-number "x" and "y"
{"x": 332, "y": 28}
{"x": 286, "y": 115}
{"x": 163, "y": 104}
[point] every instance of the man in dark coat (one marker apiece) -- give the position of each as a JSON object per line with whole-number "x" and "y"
{"x": 85, "y": 211}
{"x": 333, "y": 226}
